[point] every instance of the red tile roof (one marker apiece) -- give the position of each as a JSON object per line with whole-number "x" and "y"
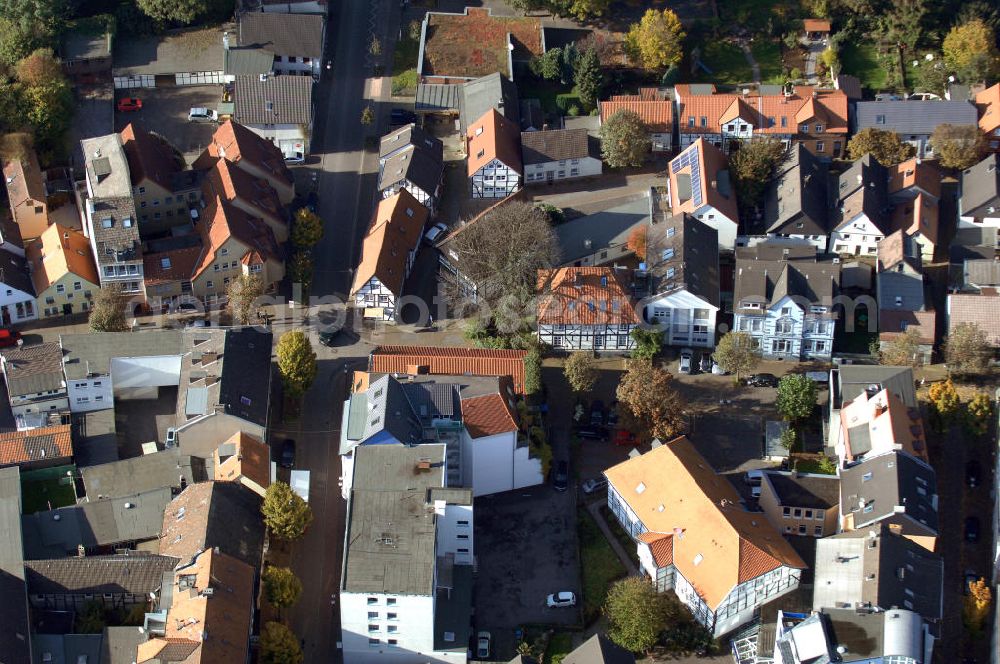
{"x": 915, "y": 173}
{"x": 179, "y": 265}
{"x": 42, "y": 444}
{"x": 234, "y": 142}
{"x": 220, "y": 221}
{"x": 661, "y": 546}
{"x": 711, "y": 161}
{"x": 493, "y": 137}
{"x": 395, "y": 232}
{"x": 801, "y": 107}
{"x": 584, "y": 296}
{"x": 488, "y": 415}
{"x": 988, "y": 104}
{"x": 816, "y": 25}
{"x": 450, "y": 361}
{"x": 655, "y": 112}
{"x": 983, "y": 310}
{"x": 149, "y": 157}
{"x": 233, "y": 183}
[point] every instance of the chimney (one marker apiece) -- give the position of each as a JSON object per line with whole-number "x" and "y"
{"x": 225, "y": 41}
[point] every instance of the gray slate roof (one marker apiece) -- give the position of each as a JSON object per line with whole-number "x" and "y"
{"x": 390, "y": 529}
{"x": 144, "y": 473}
{"x": 384, "y": 407}
{"x": 179, "y": 51}
{"x": 683, "y": 253}
{"x": 123, "y": 520}
{"x": 412, "y": 154}
{"x": 853, "y": 379}
{"x": 66, "y": 648}
{"x": 798, "y": 195}
{"x": 33, "y": 369}
{"x": 983, "y": 271}
{"x": 249, "y": 61}
{"x": 768, "y": 281}
{"x": 482, "y": 94}
{"x": 296, "y": 35}
{"x": 14, "y": 636}
{"x": 863, "y": 187}
{"x": 542, "y": 147}
{"x": 981, "y": 188}
{"x": 599, "y": 649}
{"x": 913, "y": 117}
{"x": 137, "y": 574}
{"x": 118, "y": 241}
{"x": 805, "y": 490}
{"x": 120, "y": 643}
{"x": 438, "y": 98}
{"x": 245, "y": 388}
{"x": 92, "y": 353}
{"x": 277, "y": 100}
{"x": 896, "y": 484}
{"x": 14, "y": 272}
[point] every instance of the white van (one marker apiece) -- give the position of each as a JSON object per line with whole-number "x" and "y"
{"x": 198, "y": 114}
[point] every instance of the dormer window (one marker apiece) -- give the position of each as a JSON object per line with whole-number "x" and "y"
{"x": 880, "y": 119}
{"x": 479, "y": 131}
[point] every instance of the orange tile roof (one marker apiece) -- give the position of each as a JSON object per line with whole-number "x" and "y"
{"x": 234, "y": 142}
{"x": 918, "y": 216}
{"x": 493, "y": 137}
{"x": 488, "y": 415}
{"x": 451, "y": 361}
{"x": 711, "y": 161}
{"x": 891, "y": 425}
{"x": 890, "y": 324}
{"x": 181, "y": 266}
{"x": 396, "y": 230}
{"x": 915, "y": 173}
{"x": 656, "y": 113}
{"x": 59, "y": 251}
{"x": 764, "y": 112}
{"x": 988, "y": 104}
{"x": 42, "y": 444}
{"x": 220, "y": 221}
{"x": 250, "y": 459}
{"x": 584, "y": 296}
{"x": 661, "y": 546}
{"x": 816, "y": 25}
{"x": 149, "y": 157}
{"x": 716, "y": 544}
{"x": 202, "y": 628}
{"x": 24, "y": 179}
{"x": 232, "y": 183}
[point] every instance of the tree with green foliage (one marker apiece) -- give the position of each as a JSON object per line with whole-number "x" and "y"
{"x": 902, "y": 350}
{"x": 737, "y": 353}
{"x": 886, "y": 146}
{"x": 278, "y": 645}
{"x": 657, "y": 40}
{"x": 966, "y": 349}
{"x": 970, "y": 51}
{"x": 978, "y": 413}
{"x": 242, "y": 293}
{"x": 300, "y": 270}
{"x": 624, "y": 140}
{"x": 958, "y": 146}
{"x": 752, "y": 165}
{"x": 186, "y": 12}
{"x": 788, "y": 438}
{"x": 796, "y": 397}
{"x": 281, "y": 586}
{"x": 27, "y": 25}
{"x": 296, "y": 362}
{"x": 307, "y": 229}
{"x": 904, "y": 22}
{"x": 589, "y": 78}
{"x": 47, "y": 99}
{"x": 650, "y": 406}
{"x": 548, "y": 65}
{"x": 286, "y": 514}
{"x": 648, "y": 343}
{"x": 533, "y": 371}
{"x": 636, "y": 613}
{"x": 367, "y": 116}
{"x": 107, "y": 313}
{"x": 581, "y": 372}
{"x": 92, "y": 619}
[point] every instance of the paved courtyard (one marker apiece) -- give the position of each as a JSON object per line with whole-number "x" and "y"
{"x": 165, "y": 111}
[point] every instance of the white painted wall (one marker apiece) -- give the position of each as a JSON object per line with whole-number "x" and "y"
{"x": 859, "y": 236}
{"x": 291, "y": 139}
{"x": 725, "y": 226}
{"x": 689, "y": 320}
{"x": 495, "y": 180}
{"x": 454, "y": 533}
{"x": 491, "y": 462}
{"x": 54, "y": 403}
{"x": 562, "y": 170}
{"x": 154, "y": 371}
{"x": 89, "y": 394}
{"x": 413, "y": 633}
{"x": 527, "y": 471}
{"x": 20, "y": 306}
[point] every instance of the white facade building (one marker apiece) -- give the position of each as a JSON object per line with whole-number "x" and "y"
{"x": 493, "y": 146}
{"x": 558, "y": 154}
{"x": 700, "y": 185}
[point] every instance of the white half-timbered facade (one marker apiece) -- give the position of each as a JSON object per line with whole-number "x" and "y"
{"x": 495, "y": 180}
{"x": 493, "y": 146}
{"x": 585, "y": 308}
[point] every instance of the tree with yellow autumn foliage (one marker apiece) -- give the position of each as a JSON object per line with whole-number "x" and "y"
{"x": 656, "y": 41}
{"x": 976, "y": 607}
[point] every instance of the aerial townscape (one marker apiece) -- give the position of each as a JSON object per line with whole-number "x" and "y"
{"x": 518, "y": 331}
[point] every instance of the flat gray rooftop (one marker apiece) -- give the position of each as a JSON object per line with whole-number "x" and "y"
{"x": 85, "y": 354}
{"x": 107, "y": 169}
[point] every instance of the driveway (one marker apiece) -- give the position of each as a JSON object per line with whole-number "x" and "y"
{"x": 165, "y": 111}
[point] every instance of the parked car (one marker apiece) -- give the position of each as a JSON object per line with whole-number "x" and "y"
{"x": 592, "y": 433}
{"x": 705, "y": 363}
{"x": 9, "y": 338}
{"x": 401, "y": 116}
{"x": 560, "y": 599}
{"x": 597, "y": 413}
{"x": 973, "y": 474}
{"x": 483, "y": 645}
{"x": 288, "y": 453}
{"x": 435, "y": 231}
{"x": 763, "y": 380}
{"x": 593, "y": 485}
{"x": 613, "y": 414}
{"x": 199, "y": 114}
{"x": 624, "y": 437}
{"x": 560, "y": 478}
{"x": 200, "y": 322}
{"x": 684, "y": 366}
{"x": 129, "y": 104}
{"x": 972, "y": 529}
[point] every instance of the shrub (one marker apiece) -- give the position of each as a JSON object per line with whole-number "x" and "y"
{"x": 566, "y": 101}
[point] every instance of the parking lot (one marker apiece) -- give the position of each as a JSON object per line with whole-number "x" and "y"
{"x": 165, "y": 111}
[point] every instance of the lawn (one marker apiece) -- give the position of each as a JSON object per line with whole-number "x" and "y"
{"x": 726, "y": 62}
{"x": 768, "y": 57}
{"x": 862, "y": 60}
{"x": 560, "y": 645}
{"x": 532, "y": 87}
{"x": 810, "y": 466}
{"x": 599, "y": 563}
{"x": 37, "y": 494}
{"x": 404, "y": 65}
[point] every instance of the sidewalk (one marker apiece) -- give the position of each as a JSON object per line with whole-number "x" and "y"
{"x": 595, "y": 511}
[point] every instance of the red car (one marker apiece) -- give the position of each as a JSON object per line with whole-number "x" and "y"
{"x": 623, "y": 437}
{"x": 129, "y": 104}
{"x": 9, "y": 338}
